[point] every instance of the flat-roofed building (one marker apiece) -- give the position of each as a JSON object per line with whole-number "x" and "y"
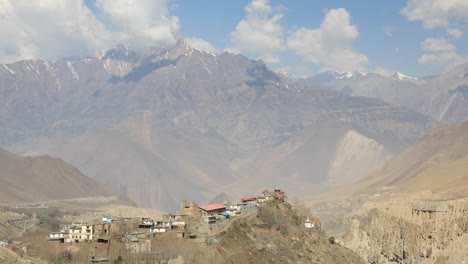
{"x": 212, "y": 209}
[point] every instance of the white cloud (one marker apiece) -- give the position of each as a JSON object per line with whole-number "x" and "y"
{"x": 65, "y": 28}
{"x": 201, "y": 44}
{"x": 433, "y": 44}
{"x": 260, "y": 31}
{"x": 442, "y": 57}
{"x": 444, "y": 60}
{"x": 49, "y": 29}
{"x": 436, "y": 13}
{"x": 140, "y": 23}
{"x": 456, "y": 33}
{"x": 331, "y": 44}
{"x": 271, "y": 59}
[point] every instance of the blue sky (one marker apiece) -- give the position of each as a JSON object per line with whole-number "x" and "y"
{"x": 415, "y": 37}
{"x": 390, "y": 41}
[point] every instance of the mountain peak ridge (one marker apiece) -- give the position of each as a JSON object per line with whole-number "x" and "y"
{"x": 401, "y": 76}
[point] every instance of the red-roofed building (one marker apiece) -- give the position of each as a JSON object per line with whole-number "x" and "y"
{"x": 252, "y": 199}
{"x": 212, "y": 209}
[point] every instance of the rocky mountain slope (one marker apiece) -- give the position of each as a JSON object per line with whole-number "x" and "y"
{"x": 314, "y": 160}
{"x": 411, "y": 209}
{"x": 354, "y": 157}
{"x": 226, "y": 114}
{"x": 444, "y": 97}
{"x": 438, "y": 162}
{"x": 226, "y": 96}
{"x": 43, "y": 179}
{"x": 152, "y": 165}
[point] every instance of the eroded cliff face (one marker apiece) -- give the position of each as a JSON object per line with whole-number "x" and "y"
{"x": 410, "y": 231}
{"x": 356, "y": 155}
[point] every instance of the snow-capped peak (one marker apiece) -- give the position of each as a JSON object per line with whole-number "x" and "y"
{"x": 401, "y": 76}
{"x": 285, "y": 73}
{"x": 327, "y": 76}
{"x": 348, "y": 75}
{"x": 119, "y": 52}
{"x": 345, "y": 75}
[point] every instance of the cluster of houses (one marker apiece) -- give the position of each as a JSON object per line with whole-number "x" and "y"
{"x": 16, "y": 246}
{"x": 190, "y": 215}
{"x": 108, "y": 228}
{"x": 213, "y": 212}
{"x": 136, "y": 234}
{"x": 192, "y": 222}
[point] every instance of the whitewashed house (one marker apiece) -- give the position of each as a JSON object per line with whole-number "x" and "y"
{"x": 80, "y": 232}
{"x": 308, "y": 223}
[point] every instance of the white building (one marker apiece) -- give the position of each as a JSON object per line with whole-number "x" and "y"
{"x": 59, "y": 236}
{"x": 309, "y": 224}
{"x": 80, "y": 232}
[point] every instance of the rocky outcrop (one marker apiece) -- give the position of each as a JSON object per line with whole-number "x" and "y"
{"x": 399, "y": 231}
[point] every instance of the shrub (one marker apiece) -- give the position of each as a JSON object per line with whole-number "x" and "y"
{"x": 119, "y": 260}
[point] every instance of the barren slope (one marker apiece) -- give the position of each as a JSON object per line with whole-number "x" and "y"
{"x": 438, "y": 162}
{"x": 40, "y": 179}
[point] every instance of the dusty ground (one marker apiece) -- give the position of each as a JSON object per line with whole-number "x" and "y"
{"x": 9, "y": 257}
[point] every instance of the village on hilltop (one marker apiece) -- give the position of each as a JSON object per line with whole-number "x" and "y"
{"x": 199, "y": 223}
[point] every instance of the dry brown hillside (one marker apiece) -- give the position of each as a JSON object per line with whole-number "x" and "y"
{"x": 40, "y": 179}
{"x": 438, "y": 162}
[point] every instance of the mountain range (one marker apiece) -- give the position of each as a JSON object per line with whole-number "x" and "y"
{"x": 167, "y": 124}
{"x": 443, "y": 98}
